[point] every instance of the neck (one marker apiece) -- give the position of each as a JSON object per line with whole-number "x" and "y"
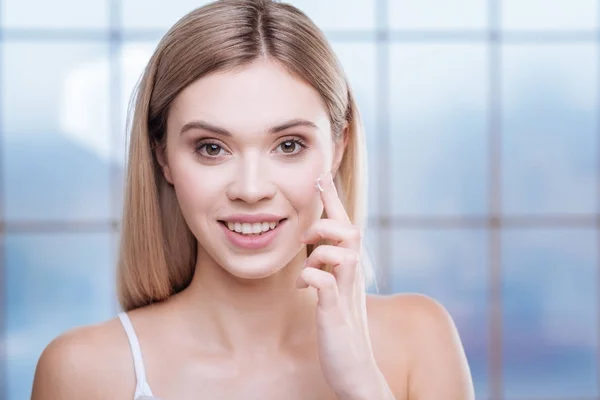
{"x": 242, "y": 316}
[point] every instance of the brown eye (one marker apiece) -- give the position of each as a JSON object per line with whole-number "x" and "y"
{"x": 288, "y": 146}
{"x": 212, "y": 149}
{"x": 291, "y": 147}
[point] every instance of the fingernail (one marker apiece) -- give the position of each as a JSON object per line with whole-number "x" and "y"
{"x": 318, "y": 184}
{"x": 324, "y": 179}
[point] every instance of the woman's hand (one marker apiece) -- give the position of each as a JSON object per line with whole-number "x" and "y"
{"x": 345, "y": 352}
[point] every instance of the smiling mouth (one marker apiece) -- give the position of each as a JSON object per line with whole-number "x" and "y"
{"x": 251, "y": 229}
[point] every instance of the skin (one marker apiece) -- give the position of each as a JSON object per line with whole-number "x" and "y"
{"x": 261, "y": 324}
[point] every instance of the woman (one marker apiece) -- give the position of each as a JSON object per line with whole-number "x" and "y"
{"x": 241, "y": 273}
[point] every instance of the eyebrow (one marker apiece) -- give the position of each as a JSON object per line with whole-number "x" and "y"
{"x": 198, "y": 124}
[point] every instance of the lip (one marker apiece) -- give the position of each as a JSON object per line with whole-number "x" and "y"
{"x": 251, "y": 218}
{"x": 252, "y": 242}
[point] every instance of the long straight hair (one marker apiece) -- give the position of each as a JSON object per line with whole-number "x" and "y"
{"x": 157, "y": 251}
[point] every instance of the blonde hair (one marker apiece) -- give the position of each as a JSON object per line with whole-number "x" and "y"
{"x": 157, "y": 249}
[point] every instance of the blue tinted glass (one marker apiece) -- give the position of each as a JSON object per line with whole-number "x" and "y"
{"x": 549, "y": 128}
{"x": 55, "y": 14}
{"x": 432, "y": 14}
{"x": 53, "y": 283}
{"x": 439, "y": 129}
{"x": 155, "y": 14}
{"x": 452, "y": 267}
{"x": 55, "y": 131}
{"x": 339, "y": 14}
{"x": 523, "y": 15}
{"x": 550, "y": 322}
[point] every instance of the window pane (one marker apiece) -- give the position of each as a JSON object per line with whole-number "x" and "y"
{"x": 439, "y": 129}
{"x": 358, "y": 61}
{"x": 55, "y": 14}
{"x": 339, "y": 14}
{"x": 156, "y": 14}
{"x": 54, "y": 283}
{"x": 55, "y": 134}
{"x": 435, "y": 14}
{"x": 549, "y": 127}
{"x": 550, "y": 15}
{"x": 550, "y": 314}
{"x": 452, "y": 267}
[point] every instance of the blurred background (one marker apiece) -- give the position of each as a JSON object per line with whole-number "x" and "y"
{"x": 483, "y": 135}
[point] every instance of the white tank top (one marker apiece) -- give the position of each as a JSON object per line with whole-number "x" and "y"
{"x": 142, "y": 389}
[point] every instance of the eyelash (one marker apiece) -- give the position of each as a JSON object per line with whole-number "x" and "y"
{"x": 203, "y": 143}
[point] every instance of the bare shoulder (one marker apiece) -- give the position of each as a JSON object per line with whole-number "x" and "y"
{"x": 409, "y": 312}
{"x": 431, "y": 347}
{"x": 418, "y": 310}
{"x": 91, "y": 362}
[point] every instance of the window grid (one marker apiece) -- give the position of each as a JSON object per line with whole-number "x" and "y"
{"x": 115, "y": 105}
{"x": 598, "y": 212}
{"x": 495, "y": 206}
{"x": 3, "y": 274}
{"x": 379, "y": 35}
{"x": 383, "y": 37}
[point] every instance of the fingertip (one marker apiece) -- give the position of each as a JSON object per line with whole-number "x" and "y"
{"x": 301, "y": 283}
{"x": 318, "y": 185}
{"x": 324, "y": 181}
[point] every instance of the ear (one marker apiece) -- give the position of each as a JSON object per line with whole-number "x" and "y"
{"x": 339, "y": 150}
{"x": 161, "y": 157}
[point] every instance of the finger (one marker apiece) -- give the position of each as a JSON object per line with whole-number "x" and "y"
{"x": 326, "y": 285}
{"x": 332, "y": 203}
{"x": 345, "y": 264}
{"x": 344, "y": 235}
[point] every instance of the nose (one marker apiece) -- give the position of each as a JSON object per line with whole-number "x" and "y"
{"x": 252, "y": 181}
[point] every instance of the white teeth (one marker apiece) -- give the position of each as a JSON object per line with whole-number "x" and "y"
{"x": 251, "y": 229}
{"x": 246, "y": 228}
{"x": 256, "y": 227}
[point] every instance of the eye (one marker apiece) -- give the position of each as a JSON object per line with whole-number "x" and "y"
{"x": 292, "y": 146}
{"x": 288, "y": 147}
{"x": 208, "y": 149}
{"x": 212, "y": 149}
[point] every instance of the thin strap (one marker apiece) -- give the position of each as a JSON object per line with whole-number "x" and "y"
{"x": 141, "y": 388}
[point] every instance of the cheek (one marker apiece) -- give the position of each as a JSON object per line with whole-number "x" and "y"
{"x": 194, "y": 191}
{"x": 298, "y": 186}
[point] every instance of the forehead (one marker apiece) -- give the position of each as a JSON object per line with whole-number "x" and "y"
{"x": 253, "y": 98}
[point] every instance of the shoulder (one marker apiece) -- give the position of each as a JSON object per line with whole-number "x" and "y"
{"x": 90, "y": 362}
{"x": 431, "y": 345}
{"x": 418, "y": 311}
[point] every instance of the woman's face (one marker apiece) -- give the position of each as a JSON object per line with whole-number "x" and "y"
{"x": 245, "y": 143}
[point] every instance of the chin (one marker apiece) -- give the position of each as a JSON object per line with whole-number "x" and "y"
{"x": 253, "y": 270}
{"x": 259, "y": 266}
